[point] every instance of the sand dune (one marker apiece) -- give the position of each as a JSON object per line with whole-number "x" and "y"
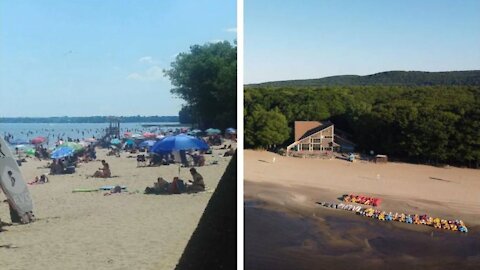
{"x": 120, "y": 231}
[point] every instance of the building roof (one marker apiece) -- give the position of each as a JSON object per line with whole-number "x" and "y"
{"x": 304, "y": 129}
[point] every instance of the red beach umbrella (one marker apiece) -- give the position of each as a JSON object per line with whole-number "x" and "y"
{"x": 149, "y": 135}
{"x": 127, "y": 134}
{"x": 38, "y": 140}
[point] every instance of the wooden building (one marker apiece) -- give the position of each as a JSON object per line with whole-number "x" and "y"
{"x": 313, "y": 137}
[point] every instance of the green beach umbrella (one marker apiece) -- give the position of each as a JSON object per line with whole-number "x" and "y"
{"x": 30, "y": 152}
{"x": 213, "y": 131}
{"x": 75, "y": 146}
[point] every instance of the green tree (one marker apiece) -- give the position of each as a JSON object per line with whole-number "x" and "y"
{"x": 266, "y": 128}
{"x": 206, "y": 78}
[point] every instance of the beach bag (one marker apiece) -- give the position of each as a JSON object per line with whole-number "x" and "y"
{"x": 176, "y": 187}
{"x": 172, "y": 188}
{"x": 181, "y": 186}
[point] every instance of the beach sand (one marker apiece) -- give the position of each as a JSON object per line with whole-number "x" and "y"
{"x": 93, "y": 231}
{"x": 285, "y": 228}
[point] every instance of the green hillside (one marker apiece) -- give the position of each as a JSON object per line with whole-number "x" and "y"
{"x": 389, "y": 78}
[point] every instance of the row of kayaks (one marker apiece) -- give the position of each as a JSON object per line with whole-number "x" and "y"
{"x": 452, "y": 225}
{"x": 362, "y": 199}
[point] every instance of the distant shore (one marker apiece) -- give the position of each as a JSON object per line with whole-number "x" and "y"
{"x": 91, "y": 119}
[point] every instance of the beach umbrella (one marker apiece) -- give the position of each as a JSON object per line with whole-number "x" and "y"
{"x": 231, "y": 131}
{"x": 179, "y": 142}
{"x": 19, "y": 141}
{"x": 129, "y": 142}
{"x": 127, "y": 134}
{"x": 160, "y": 136}
{"x": 20, "y": 146}
{"x": 91, "y": 140}
{"x": 149, "y": 135}
{"x": 61, "y": 152}
{"x": 84, "y": 144}
{"x": 213, "y": 131}
{"x": 147, "y": 143}
{"x": 30, "y": 152}
{"x": 38, "y": 140}
{"x": 115, "y": 141}
{"x": 75, "y": 146}
{"x": 136, "y": 136}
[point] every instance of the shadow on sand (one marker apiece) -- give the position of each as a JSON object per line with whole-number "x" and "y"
{"x": 213, "y": 244}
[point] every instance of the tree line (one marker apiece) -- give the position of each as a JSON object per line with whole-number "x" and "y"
{"x": 426, "y": 124}
{"x": 399, "y": 78}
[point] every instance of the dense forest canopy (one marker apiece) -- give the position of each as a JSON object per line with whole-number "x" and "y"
{"x": 399, "y": 78}
{"x": 433, "y": 124}
{"x": 89, "y": 119}
{"x": 206, "y": 78}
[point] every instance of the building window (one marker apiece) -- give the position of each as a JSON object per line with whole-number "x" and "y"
{"x": 328, "y": 137}
{"x": 317, "y": 147}
{"x": 305, "y": 147}
{"x": 316, "y": 140}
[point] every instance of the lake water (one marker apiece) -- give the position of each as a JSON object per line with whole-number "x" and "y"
{"x": 336, "y": 240}
{"x": 55, "y": 131}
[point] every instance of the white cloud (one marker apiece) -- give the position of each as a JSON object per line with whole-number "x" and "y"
{"x": 154, "y": 73}
{"x": 147, "y": 60}
{"x": 232, "y": 29}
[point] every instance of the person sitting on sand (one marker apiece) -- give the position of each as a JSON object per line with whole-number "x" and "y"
{"x": 197, "y": 183}
{"x": 39, "y": 180}
{"x": 229, "y": 153}
{"x": 103, "y": 172}
{"x": 56, "y": 167}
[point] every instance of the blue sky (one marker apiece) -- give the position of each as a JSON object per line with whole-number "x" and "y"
{"x": 317, "y": 38}
{"x": 103, "y": 57}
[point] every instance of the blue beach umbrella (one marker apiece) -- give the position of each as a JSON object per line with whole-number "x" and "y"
{"x": 179, "y": 142}
{"x": 19, "y": 142}
{"x": 147, "y": 143}
{"x": 129, "y": 142}
{"x": 62, "y": 152}
{"x": 231, "y": 131}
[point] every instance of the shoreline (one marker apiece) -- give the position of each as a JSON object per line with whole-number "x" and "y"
{"x": 403, "y": 187}
{"x": 278, "y": 224}
{"x": 286, "y": 229}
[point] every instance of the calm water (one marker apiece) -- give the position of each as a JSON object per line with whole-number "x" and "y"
{"x": 276, "y": 240}
{"x": 55, "y": 131}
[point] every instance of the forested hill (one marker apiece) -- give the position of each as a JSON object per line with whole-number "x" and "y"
{"x": 404, "y": 78}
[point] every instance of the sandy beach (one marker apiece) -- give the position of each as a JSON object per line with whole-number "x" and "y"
{"x": 284, "y": 227}
{"x": 121, "y": 231}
